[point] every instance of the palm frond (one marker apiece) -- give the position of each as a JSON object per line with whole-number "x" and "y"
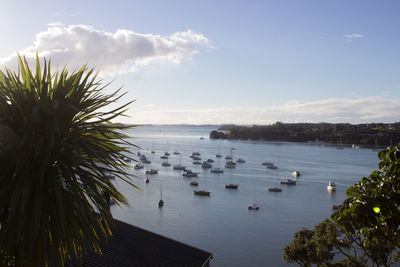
{"x": 53, "y": 173}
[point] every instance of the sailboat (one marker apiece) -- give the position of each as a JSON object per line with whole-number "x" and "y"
{"x": 166, "y": 163}
{"x": 339, "y": 145}
{"x": 275, "y": 189}
{"x": 202, "y": 192}
{"x": 217, "y": 170}
{"x": 230, "y": 164}
{"x": 254, "y": 206}
{"x": 166, "y": 153}
{"x": 240, "y": 160}
{"x": 161, "y": 201}
{"x": 194, "y": 183}
{"x": 331, "y": 186}
{"x": 296, "y": 174}
{"x": 218, "y": 155}
{"x": 196, "y": 153}
{"x": 179, "y": 166}
{"x": 176, "y": 152}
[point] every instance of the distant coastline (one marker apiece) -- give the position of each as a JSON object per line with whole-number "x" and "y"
{"x": 371, "y": 134}
{"x": 172, "y": 125}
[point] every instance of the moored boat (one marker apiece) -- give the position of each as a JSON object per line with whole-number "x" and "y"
{"x": 194, "y": 183}
{"x": 152, "y": 171}
{"x": 202, "y": 192}
{"x": 272, "y": 167}
{"x": 253, "y": 206}
{"x": 289, "y": 182}
{"x": 217, "y": 170}
{"x": 161, "y": 201}
{"x": 232, "y": 186}
{"x": 189, "y": 173}
{"x": 275, "y": 189}
{"x": 138, "y": 166}
{"x": 206, "y": 165}
{"x": 267, "y": 163}
{"x": 296, "y": 174}
{"x": 331, "y": 186}
{"x": 230, "y": 164}
{"x": 179, "y": 167}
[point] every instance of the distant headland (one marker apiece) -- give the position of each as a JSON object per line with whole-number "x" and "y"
{"x": 371, "y": 134}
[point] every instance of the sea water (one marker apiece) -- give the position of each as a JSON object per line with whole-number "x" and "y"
{"x": 222, "y": 223}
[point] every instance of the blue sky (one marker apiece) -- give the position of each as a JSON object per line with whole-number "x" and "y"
{"x": 244, "y": 62}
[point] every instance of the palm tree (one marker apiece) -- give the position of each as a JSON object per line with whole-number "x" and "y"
{"x": 57, "y": 146}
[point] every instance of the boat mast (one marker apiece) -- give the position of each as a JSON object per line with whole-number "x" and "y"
{"x": 255, "y": 194}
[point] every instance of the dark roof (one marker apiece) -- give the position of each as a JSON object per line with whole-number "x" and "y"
{"x": 133, "y": 246}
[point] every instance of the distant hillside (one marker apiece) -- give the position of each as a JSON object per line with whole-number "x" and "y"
{"x": 226, "y": 127}
{"x": 372, "y": 134}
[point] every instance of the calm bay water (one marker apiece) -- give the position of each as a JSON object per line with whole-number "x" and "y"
{"x": 221, "y": 223}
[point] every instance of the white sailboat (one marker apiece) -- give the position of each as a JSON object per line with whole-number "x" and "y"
{"x": 331, "y": 186}
{"x": 296, "y": 174}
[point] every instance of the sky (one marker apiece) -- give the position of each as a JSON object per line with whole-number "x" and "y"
{"x": 223, "y": 61}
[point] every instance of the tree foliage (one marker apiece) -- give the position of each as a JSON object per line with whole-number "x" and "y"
{"x": 367, "y": 226}
{"x": 372, "y": 134}
{"x": 57, "y": 145}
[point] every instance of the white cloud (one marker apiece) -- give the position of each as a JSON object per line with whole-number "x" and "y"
{"x": 54, "y": 24}
{"x": 362, "y": 110}
{"x": 111, "y": 52}
{"x": 352, "y": 36}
